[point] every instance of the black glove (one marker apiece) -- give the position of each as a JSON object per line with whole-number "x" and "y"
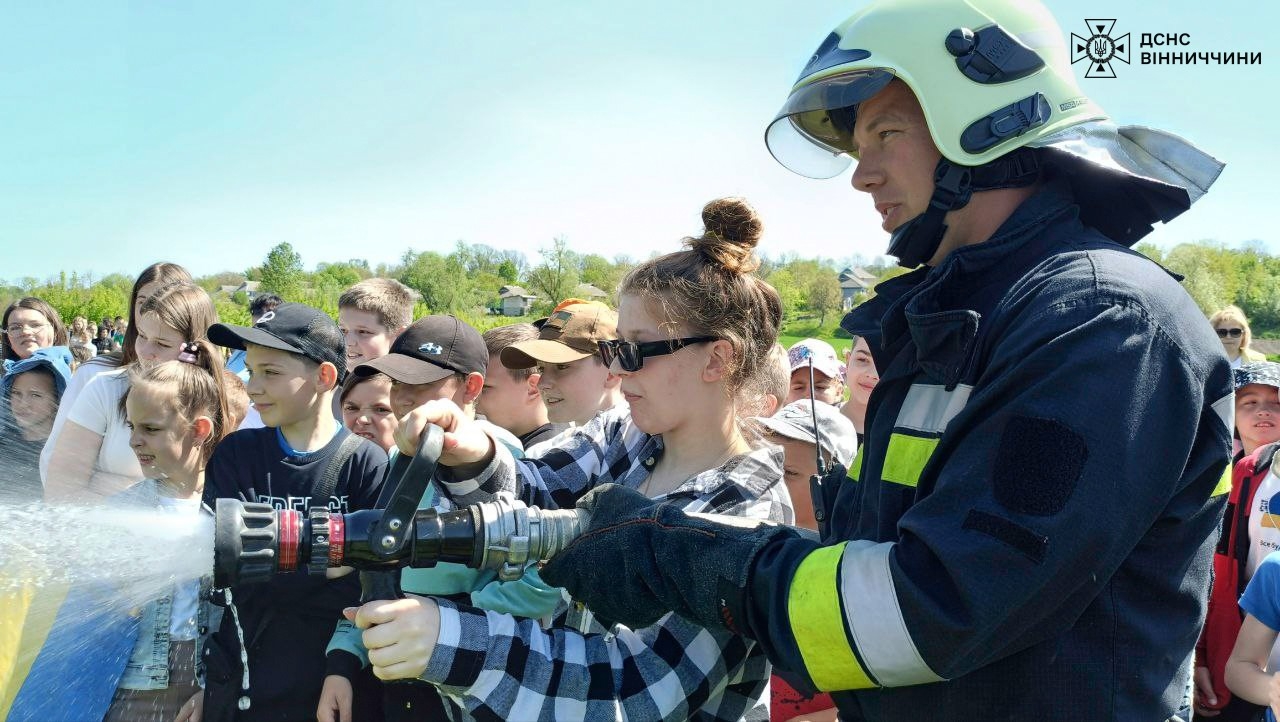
{"x": 639, "y": 559}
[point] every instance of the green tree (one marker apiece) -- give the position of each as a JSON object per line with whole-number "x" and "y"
{"x": 442, "y": 280}
{"x": 555, "y": 278}
{"x": 75, "y": 295}
{"x": 233, "y": 310}
{"x": 789, "y": 291}
{"x": 822, "y": 295}
{"x": 1202, "y": 275}
{"x": 508, "y": 272}
{"x": 602, "y": 273}
{"x": 342, "y": 275}
{"x": 282, "y": 273}
{"x": 1150, "y": 250}
{"x": 518, "y": 260}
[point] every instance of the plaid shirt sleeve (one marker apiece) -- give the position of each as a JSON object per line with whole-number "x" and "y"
{"x": 604, "y": 450}
{"x": 498, "y": 667}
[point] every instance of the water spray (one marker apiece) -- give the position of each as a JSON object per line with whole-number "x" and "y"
{"x": 253, "y": 541}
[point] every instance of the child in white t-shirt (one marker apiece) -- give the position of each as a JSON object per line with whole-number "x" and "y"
{"x": 91, "y": 457}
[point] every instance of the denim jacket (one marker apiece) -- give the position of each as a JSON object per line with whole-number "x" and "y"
{"x": 148, "y": 665}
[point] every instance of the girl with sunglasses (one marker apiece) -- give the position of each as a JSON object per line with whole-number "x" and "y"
{"x": 695, "y": 327}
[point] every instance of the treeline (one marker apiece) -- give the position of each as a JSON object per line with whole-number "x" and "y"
{"x": 467, "y": 280}
{"x": 1216, "y": 275}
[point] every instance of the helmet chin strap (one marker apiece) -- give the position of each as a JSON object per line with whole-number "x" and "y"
{"x": 917, "y": 240}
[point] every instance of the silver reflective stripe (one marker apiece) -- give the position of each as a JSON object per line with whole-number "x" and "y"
{"x": 875, "y": 619}
{"x": 1225, "y": 408}
{"x": 929, "y": 408}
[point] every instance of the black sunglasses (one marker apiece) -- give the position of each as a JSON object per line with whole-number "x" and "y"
{"x": 1232, "y": 332}
{"x": 631, "y": 355}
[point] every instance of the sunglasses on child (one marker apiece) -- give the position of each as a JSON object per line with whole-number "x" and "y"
{"x": 1232, "y": 332}
{"x": 631, "y": 356}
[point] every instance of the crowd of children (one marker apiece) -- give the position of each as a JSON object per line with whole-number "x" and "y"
{"x": 299, "y": 410}
{"x": 678, "y": 395}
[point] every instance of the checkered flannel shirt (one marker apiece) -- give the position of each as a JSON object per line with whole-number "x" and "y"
{"x": 498, "y": 667}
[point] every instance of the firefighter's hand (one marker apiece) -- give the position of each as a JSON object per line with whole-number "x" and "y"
{"x": 335, "y": 700}
{"x": 640, "y": 558}
{"x": 1206, "y": 701}
{"x": 400, "y": 634}
{"x": 465, "y": 443}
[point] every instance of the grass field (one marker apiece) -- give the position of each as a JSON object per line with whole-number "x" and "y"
{"x": 807, "y": 327}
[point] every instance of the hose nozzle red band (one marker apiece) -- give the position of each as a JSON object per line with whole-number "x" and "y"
{"x": 337, "y": 538}
{"x": 290, "y": 528}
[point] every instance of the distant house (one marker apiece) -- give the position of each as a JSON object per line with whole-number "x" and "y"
{"x": 854, "y": 282}
{"x": 249, "y": 288}
{"x": 515, "y": 300}
{"x": 588, "y": 292}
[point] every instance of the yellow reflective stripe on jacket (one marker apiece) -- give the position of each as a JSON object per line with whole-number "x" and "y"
{"x": 856, "y": 464}
{"x": 813, "y": 606}
{"x": 906, "y": 457}
{"x": 1224, "y": 484}
{"x": 923, "y": 418}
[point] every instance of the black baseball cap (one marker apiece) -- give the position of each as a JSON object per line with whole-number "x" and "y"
{"x": 293, "y": 327}
{"x": 433, "y": 348}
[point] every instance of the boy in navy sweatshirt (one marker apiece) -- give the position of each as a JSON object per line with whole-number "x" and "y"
{"x": 296, "y": 359}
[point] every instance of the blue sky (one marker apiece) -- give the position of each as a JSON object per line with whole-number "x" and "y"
{"x": 207, "y": 133}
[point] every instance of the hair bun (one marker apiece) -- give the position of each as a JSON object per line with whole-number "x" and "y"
{"x": 732, "y": 230}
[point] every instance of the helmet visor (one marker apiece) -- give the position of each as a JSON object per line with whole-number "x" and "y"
{"x": 813, "y": 133}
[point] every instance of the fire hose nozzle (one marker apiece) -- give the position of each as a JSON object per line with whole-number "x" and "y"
{"x": 516, "y": 535}
{"x": 253, "y": 541}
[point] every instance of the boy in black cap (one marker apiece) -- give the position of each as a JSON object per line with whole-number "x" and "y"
{"x": 438, "y": 357}
{"x": 296, "y": 358}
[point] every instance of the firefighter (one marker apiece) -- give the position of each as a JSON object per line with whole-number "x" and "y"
{"x": 1027, "y": 531}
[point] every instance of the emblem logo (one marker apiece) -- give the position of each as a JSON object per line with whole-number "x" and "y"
{"x": 1100, "y": 48}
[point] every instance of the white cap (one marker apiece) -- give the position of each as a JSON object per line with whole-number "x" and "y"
{"x": 795, "y": 421}
{"x": 823, "y": 355}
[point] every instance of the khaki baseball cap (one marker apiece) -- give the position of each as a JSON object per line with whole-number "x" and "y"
{"x": 571, "y": 332}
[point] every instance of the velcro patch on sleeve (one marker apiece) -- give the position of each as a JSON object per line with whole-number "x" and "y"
{"x": 1031, "y": 544}
{"x": 1038, "y": 465}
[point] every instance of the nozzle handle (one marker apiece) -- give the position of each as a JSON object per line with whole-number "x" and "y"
{"x": 391, "y": 532}
{"x": 380, "y": 584}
